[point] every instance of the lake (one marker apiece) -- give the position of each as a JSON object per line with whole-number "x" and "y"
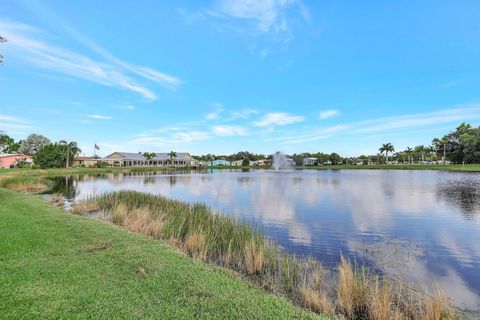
{"x": 421, "y": 226}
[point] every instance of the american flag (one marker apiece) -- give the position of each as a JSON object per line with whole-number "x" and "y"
{"x": 97, "y": 147}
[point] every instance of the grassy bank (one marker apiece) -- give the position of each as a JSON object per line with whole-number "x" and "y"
{"x": 450, "y": 167}
{"x": 57, "y": 265}
{"x": 221, "y": 240}
{"x": 73, "y": 171}
{"x": 82, "y": 171}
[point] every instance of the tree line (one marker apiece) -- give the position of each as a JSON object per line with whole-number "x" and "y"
{"x": 461, "y": 145}
{"x": 45, "y": 154}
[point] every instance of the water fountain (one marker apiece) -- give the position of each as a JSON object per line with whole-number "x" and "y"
{"x": 280, "y": 161}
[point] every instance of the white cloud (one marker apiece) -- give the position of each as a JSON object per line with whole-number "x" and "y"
{"x": 14, "y": 126}
{"x": 28, "y": 46}
{"x": 452, "y": 83}
{"x": 328, "y": 114}
{"x": 127, "y": 107}
{"x": 454, "y": 115}
{"x": 213, "y": 116}
{"x": 190, "y": 136}
{"x": 226, "y": 131}
{"x": 243, "y": 114}
{"x": 171, "y": 139}
{"x": 11, "y": 124}
{"x": 268, "y": 24}
{"x": 12, "y": 119}
{"x": 99, "y": 117}
{"x": 420, "y": 120}
{"x": 266, "y": 16}
{"x": 278, "y": 119}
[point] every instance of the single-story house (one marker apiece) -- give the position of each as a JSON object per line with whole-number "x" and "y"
{"x": 130, "y": 159}
{"x": 310, "y": 161}
{"x": 85, "y": 161}
{"x": 239, "y": 163}
{"x": 10, "y": 160}
{"x": 291, "y": 162}
{"x": 262, "y": 162}
{"x": 218, "y": 162}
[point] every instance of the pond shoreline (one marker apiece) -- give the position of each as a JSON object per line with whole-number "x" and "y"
{"x": 86, "y": 170}
{"x": 55, "y": 264}
{"x": 195, "y": 249}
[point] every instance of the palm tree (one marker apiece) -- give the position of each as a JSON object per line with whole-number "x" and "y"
{"x": 71, "y": 150}
{"x": 381, "y": 150}
{"x": 409, "y": 153}
{"x": 421, "y": 149}
{"x": 386, "y": 147}
{"x": 149, "y": 156}
{"x": 430, "y": 149}
{"x": 441, "y": 143}
{"x": 172, "y": 156}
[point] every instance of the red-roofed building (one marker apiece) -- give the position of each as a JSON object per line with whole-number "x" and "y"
{"x": 10, "y": 160}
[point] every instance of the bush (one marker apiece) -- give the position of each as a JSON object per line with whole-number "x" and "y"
{"x": 101, "y": 164}
{"x": 22, "y": 163}
{"x": 50, "y": 156}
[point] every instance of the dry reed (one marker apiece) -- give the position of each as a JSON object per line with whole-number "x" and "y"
{"x": 83, "y": 207}
{"x": 195, "y": 245}
{"x": 225, "y": 241}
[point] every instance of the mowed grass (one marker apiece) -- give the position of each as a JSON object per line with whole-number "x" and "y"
{"x": 57, "y": 265}
{"x": 451, "y": 167}
{"x": 82, "y": 171}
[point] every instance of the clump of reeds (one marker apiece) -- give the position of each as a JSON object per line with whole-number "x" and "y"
{"x": 57, "y": 199}
{"x": 28, "y": 183}
{"x": 352, "y": 289}
{"x": 195, "y": 244}
{"x": 437, "y": 307}
{"x": 84, "y": 207}
{"x": 254, "y": 256}
{"x": 362, "y": 296}
{"x": 313, "y": 292}
{"x": 225, "y": 241}
{"x": 382, "y": 301}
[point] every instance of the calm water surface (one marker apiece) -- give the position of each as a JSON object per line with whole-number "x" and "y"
{"x": 423, "y": 226}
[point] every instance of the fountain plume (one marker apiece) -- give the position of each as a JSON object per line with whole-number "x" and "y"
{"x": 280, "y": 161}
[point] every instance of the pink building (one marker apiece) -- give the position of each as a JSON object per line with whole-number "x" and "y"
{"x": 10, "y": 160}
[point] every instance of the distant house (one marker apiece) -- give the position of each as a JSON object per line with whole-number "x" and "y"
{"x": 218, "y": 163}
{"x": 262, "y": 162}
{"x": 239, "y": 163}
{"x": 310, "y": 161}
{"x": 10, "y": 160}
{"x": 85, "y": 161}
{"x": 130, "y": 159}
{"x": 291, "y": 162}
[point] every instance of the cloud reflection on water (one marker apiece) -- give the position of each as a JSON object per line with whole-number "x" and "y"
{"x": 430, "y": 218}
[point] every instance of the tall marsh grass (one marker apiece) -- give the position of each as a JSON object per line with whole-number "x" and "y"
{"x": 26, "y": 183}
{"x": 225, "y": 241}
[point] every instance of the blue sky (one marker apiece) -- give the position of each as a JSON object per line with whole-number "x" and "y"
{"x": 228, "y": 75}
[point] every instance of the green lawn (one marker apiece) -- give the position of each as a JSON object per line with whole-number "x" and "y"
{"x": 450, "y": 167}
{"x": 57, "y": 265}
{"x": 69, "y": 171}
